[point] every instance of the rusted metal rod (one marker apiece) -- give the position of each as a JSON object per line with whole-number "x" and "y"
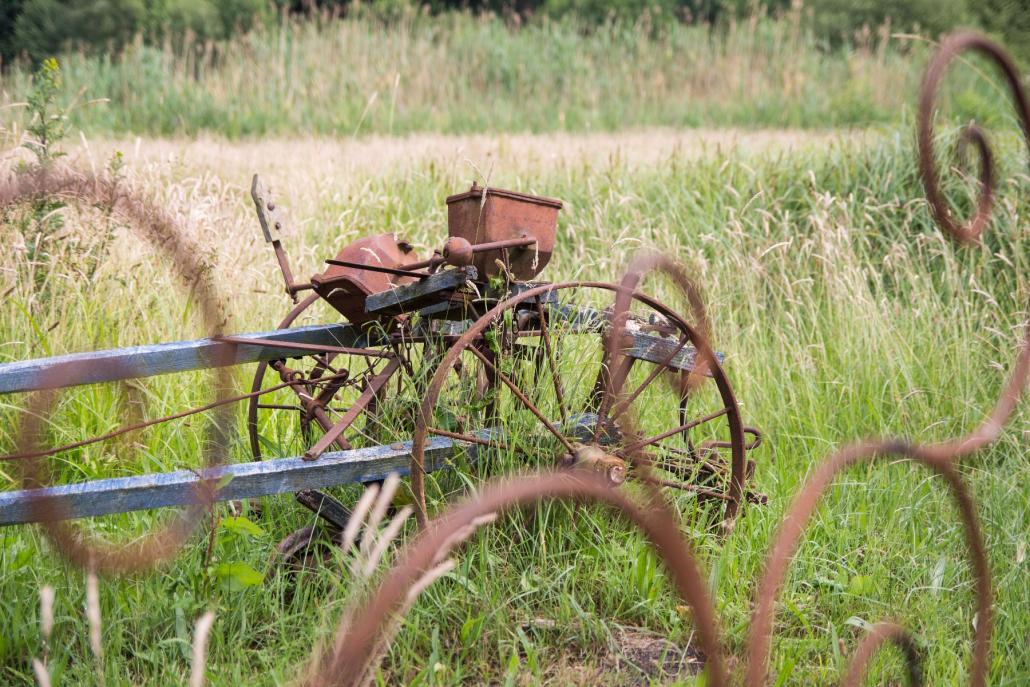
{"x": 467, "y": 437}
{"x": 332, "y": 433}
{"x": 685, "y": 486}
{"x": 345, "y": 350}
{"x": 621, "y": 406}
{"x": 143, "y": 425}
{"x": 378, "y": 268}
{"x": 675, "y": 430}
{"x": 522, "y": 397}
{"x": 476, "y": 248}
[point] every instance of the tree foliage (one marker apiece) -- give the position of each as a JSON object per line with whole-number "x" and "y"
{"x": 40, "y": 28}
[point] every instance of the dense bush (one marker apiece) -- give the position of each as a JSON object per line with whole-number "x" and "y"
{"x": 38, "y": 28}
{"x": 836, "y": 20}
{"x": 1009, "y": 20}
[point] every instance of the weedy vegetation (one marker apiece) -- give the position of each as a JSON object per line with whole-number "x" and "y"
{"x": 460, "y": 73}
{"x": 841, "y": 308}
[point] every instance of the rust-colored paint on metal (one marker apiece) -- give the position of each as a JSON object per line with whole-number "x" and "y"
{"x": 164, "y": 234}
{"x": 490, "y": 215}
{"x": 951, "y": 48}
{"x": 345, "y": 287}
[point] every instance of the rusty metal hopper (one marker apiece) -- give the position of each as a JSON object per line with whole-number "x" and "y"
{"x": 485, "y": 215}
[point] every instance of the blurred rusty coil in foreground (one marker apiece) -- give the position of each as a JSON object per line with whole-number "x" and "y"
{"x": 163, "y": 233}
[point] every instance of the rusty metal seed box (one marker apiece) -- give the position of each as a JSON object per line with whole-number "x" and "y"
{"x": 485, "y": 215}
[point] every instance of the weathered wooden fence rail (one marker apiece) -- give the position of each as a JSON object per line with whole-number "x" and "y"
{"x": 238, "y": 481}
{"x": 242, "y": 480}
{"x": 182, "y": 356}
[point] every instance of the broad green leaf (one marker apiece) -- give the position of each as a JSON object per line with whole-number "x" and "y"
{"x": 860, "y": 585}
{"x": 237, "y": 575}
{"x": 242, "y": 526}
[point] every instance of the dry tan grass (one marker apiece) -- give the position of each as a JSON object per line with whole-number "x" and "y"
{"x": 332, "y": 158}
{"x": 205, "y": 183}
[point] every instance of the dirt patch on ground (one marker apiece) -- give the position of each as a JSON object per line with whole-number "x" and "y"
{"x": 636, "y": 657}
{"x": 649, "y": 657}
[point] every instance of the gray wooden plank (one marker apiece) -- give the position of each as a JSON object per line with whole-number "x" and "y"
{"x": 324, "y": 506}
{"x": 654, "y": 349}
{"x": 145, "y": 361}
{"x": 412, "y": 297}
{"x": 248, "y": 480}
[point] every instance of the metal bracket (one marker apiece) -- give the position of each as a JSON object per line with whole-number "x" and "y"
{"x": 270, "y": 215}
{"x": 326, "y": 507}
{"x": 273, "y": 223}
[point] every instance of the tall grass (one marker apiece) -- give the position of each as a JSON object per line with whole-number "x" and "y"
{"x": 457, "y": 72}
{"x": 842, "y": 311}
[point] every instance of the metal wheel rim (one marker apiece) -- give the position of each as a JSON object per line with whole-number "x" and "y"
{"x": 474, "y": 332}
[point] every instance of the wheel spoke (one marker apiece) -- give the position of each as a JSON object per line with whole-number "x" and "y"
{"x": 324, "y": 362}
{"x": 611, "y": 382}
{"x": 522, "y": 397}
{"x": 684, "y": 486}
{"x": 470, "y": 438}
{"x": 619, "y": 408}
{"x": 335, "y": 431}
{"x": 559, "y": 392}
{"x": 682, "y": 428}
{"x": 675, "y": 464}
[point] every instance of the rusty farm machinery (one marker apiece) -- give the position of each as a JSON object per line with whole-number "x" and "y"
{"x": 459, "y": 358}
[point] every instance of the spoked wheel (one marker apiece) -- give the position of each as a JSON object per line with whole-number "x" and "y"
{"x": 363, "y": 390}
{"x": 563, "y": 395}
{"x": 346, "y": 387}
{"x": 258, "y": 405}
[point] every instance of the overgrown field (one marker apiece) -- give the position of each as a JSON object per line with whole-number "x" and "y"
{"x": 457, "y": 73}
{"x": 842, "y": 311}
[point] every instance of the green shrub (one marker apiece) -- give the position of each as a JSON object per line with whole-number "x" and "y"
{"x": 1009, "y": 21}
{"x": 597, "y": 11}
{"x": 9, "y": 11}
{"x": 48, "y": 122}
{"x": 40, "y": 28}
{"x": 180, "y": 17}
{"x": 240, "y": 15}
{"x": 45, "y": 27}
{"x": 838, "y": 20}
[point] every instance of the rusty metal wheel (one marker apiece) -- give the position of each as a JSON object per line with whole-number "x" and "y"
{"x": 278, "y": 424}
{"x": 255, "y": 405}
{"x": 565, "y": 394}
